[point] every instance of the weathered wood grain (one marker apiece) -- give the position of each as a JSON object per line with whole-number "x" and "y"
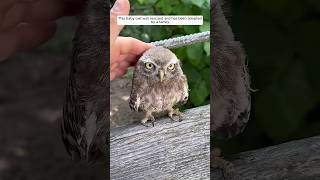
{"x": 170, "y": 150}
{"x": 295, "y": 160}
{"x": 180, "y": 150}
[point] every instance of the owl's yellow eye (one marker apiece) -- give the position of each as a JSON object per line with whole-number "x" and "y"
{"x": 171, "y": 66}
{"x": 149, "y": 65}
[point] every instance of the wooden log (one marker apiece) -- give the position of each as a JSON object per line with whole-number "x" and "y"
{"x": 180, "y": 150}
{"x": 295, "y": 160}
{"x": 170, "y": 150}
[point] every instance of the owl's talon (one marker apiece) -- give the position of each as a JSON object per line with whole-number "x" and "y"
{"x": 175, "y": 113}
{"x": 178, "y": 119}
{"x": 145, "y": 124}
{"x": 144, "y": 121}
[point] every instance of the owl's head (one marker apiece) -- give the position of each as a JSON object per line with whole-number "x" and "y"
{"x": 160, "y": 64}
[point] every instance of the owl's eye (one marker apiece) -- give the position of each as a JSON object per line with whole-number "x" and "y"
{"x": 171, "y": 66}
{"x": 148, "y": 65}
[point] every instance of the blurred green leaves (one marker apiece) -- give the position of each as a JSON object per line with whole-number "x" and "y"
{"x": 205, "y": 26}
{"x": 199, "y": 94}
{"x": 195, "y": 58}
{"x": 194, "y": 54}
{"x": 206, "y": 48}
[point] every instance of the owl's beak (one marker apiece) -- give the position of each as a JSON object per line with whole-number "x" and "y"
{"x": 161, "y": 75}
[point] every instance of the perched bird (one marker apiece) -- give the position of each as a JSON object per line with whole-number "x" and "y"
{"x": 84, "y": 126}
{"x": 158, "y": 84}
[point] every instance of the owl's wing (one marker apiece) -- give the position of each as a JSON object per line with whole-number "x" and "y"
{"x": 84, "y": 123}
{"x": 230, "y": 80}
{"x": 138, "y": 86}
{"x": 184, "y": 93}
{"x": 134, "y": 102}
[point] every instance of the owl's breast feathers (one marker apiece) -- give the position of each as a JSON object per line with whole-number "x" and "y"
{"x": 158, "y": 97}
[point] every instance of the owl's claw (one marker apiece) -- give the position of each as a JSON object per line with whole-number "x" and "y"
{"x": 144, "y": 121}
{"x": 176, "y": 118}
{"x": 175, "y": 113}
{"x": 145, "y": 124}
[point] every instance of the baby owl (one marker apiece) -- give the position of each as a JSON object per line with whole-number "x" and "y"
{"x": 158, "y": 85}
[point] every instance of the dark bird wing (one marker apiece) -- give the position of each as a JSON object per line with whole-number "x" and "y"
{"x": 184, "y": 90}
{"x": 84, "y": 125}
{"x": 138, "y": 86}
{"x": 230, "y": 80}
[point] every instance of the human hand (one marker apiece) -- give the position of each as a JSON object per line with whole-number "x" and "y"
{"x": 124, "y": 51}
{"x": 26, "y": 24}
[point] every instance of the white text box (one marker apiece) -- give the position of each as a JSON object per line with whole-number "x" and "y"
{"x": 159, "y": 20}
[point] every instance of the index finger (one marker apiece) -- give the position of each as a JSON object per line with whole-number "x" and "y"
{"x": 129, "y": 45}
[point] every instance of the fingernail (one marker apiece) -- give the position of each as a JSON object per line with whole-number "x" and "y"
{"x": 116, "y": 7}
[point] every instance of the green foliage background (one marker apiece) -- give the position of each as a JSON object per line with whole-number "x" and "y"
{"x": 281, "y": 38}
{"x": 195, "y": 58}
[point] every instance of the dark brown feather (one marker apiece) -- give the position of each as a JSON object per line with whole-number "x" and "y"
{"x": 84, "y": 125}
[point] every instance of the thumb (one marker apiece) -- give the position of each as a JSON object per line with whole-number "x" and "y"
{"x": 120, "y": 8}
